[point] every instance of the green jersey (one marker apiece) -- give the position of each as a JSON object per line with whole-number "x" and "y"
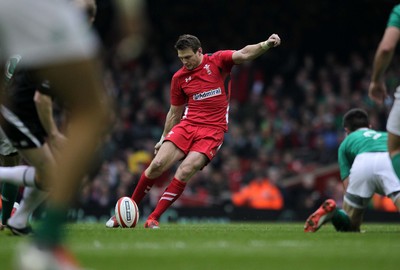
{"x": 363, "y": 140}
{"x": 394, "y": 18}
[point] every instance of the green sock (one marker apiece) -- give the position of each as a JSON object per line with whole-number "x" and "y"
{"x": 396, "y": 164}
{"x": 50, "y": 231}
{"x": 341, "y": 220}
{"x": 8, "y": 196}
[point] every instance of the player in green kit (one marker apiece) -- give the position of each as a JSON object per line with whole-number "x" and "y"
{"x": 365, "y": 169}
{"x": 377, "y": 90}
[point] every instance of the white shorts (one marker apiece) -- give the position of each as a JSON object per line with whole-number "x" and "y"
{"x": 393, "y": 122}
{"x": 371, "y": 173}
{"x": 6, "y": 147}
{"x": 44, "y": 32}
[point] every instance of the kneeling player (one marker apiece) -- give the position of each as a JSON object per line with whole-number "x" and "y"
{"x": 365, "y": 168}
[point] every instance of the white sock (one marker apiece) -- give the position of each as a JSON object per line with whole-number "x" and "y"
{"x": 18, "y": 175}
{"x": 31, "y": 199}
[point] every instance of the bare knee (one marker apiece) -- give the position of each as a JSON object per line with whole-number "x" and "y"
{"x": 155, "y": 169}
{"x": 186, "y": 171}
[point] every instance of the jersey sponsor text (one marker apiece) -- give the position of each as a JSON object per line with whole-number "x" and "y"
{"x": 208, "y": 94}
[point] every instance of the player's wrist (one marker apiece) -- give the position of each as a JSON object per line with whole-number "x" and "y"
{"x": 264, "y": 45}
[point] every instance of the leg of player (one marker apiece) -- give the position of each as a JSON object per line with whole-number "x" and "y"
{"x": 88, "y": 121}
{"x": 193, "y": 162}
{"x": 8, "y": 191}
{"x": 9, "y": 194}
{"x": 169, "y": 196}
{"x": 19, "y": 222}
{"x": 42, "y": 159}
{"x": 325, "y": 213}
{"x": 165, "y": 158}
{"x": 394, "y": 150}
{"x": 393, "y": 128}
{"x": 21, "y": 175}
{"x": 355, "y": 218}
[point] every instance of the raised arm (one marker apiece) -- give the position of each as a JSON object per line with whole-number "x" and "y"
{"x": 253, "y": 51}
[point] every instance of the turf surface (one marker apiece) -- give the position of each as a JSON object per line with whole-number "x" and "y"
{"x": 227, "y": 246}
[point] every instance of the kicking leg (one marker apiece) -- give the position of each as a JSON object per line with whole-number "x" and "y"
{"x": 192, "y": 164}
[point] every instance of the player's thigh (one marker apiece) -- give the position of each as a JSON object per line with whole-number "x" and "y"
{"x": 393, "y": 124}
{"x": 193, "y": 162}
{"x": 83, "y": 95}
{"x": 41, "y": 158}
{"x": 361, "y": 179}
{"x": 167, "y": 155}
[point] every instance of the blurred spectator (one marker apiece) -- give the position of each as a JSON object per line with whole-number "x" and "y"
{"x": 305, "y": 196}
{"x": 260, "y": 193}
{"x": 334, "y": 190}
{"x": 383, "y": 203}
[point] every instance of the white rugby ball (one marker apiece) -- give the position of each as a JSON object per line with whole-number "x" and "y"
{"x": 126, "y": 212}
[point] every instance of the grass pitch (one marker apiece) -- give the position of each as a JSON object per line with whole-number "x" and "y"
{"x": 231, "y": 246}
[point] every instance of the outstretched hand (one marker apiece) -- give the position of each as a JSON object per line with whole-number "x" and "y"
{"x": 273, "y": 41}
{"x": 377, "y": 92}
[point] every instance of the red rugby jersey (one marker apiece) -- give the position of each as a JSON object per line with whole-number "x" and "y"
{"x": 205, "y": 90}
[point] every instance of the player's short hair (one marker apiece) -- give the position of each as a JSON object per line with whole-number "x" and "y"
{"x": 355, "y": 119}
{"x": 187, "y": 41}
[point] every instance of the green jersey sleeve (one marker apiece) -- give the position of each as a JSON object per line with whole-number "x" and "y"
{"x": 394, "y": 18}
{"x": 344, "y": 162}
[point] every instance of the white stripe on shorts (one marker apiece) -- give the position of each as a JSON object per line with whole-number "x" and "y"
{"x": 17, "y": 123}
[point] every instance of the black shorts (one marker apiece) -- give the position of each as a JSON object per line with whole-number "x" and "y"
{"x": 20, "y": 120}
{"x": 23, "y": 127}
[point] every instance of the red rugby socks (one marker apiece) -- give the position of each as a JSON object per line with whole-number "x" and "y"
{"x": 170, "y": 195}
{"x": 142, "y": 188}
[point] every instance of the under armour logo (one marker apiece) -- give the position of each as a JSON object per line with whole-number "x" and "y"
{"x": 207, "y": 67}
{"x": 170, "y": 133}
{"x": 188, "y": 79}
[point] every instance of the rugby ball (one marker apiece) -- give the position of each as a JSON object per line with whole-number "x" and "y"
{"x": 126, "y": 212}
